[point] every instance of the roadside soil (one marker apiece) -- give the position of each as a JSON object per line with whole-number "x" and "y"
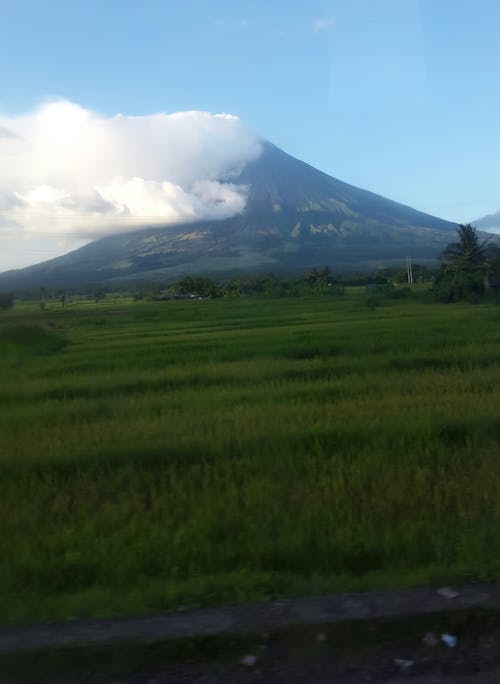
{"x": 316, "y": 655}
{"x": 382, "y": 638}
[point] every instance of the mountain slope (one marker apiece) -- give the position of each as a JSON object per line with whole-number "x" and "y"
{"x": 489, "y": 222}
{"x": 295, "y": 217}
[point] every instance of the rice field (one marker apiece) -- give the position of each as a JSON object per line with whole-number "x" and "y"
{"x": 162, "y": 455}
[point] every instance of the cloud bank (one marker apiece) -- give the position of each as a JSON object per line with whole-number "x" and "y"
{"x": 69, "y": 173}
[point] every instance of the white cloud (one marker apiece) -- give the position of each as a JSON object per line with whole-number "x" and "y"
{"x": 66, "y": 171}
{"x": 233, "y": 24}
{"x": 322, "y": 23}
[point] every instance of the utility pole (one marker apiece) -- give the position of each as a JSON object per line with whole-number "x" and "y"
{"x": 409, "y": 270}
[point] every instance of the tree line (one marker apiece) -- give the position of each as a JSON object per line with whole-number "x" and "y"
{"x": 462, "y": 274}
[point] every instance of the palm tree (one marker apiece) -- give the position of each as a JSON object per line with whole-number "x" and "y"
{"x": 468, "y": 253}
{"x": 463, "y": 267}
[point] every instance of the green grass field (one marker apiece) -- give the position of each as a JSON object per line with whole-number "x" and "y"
{"x": 158, "y": 455}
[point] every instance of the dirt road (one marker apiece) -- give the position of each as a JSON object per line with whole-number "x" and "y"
{"x": 311, "y": 656}
{"x": 385, "y": 638}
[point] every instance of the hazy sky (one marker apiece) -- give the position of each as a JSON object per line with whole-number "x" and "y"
{"x": 400, "y": 97}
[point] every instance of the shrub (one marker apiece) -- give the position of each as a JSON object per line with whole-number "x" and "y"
{"x": 6, "y": 300}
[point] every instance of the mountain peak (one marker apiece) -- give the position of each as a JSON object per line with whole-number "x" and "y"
{"x": 295, "y": 217}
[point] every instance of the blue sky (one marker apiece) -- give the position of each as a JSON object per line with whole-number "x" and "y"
{"x": 400, "y": 97}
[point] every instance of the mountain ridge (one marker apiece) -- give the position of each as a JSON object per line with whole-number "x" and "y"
{"x": 488, "y": 222}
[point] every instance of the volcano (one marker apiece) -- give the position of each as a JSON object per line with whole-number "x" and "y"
{"x": 295, "y": 217}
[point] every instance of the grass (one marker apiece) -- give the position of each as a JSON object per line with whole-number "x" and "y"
{"x": 159, "y": 455}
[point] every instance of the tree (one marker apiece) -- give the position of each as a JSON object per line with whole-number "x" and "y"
{"x": 6, "y": 300}
{"x": 467, "y": 253}
{"x": 493, "y": 259}
{"x": 198, "y": 285}
{"x": 464, "y": 264}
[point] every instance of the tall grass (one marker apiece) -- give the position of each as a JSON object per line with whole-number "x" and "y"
{"x": 157, "y": 455}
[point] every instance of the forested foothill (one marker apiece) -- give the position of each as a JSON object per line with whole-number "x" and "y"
{"x": 316, "y": 281}
{"x": 468, "y": 269}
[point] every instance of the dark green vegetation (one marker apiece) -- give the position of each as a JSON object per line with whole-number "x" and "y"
{"x": 6, "y": 300}
{"x": 466, "y": 266}
{"x": 164, "y": 454}
{"x": 295, "y": 217}
{"x": 315, "y": 282}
